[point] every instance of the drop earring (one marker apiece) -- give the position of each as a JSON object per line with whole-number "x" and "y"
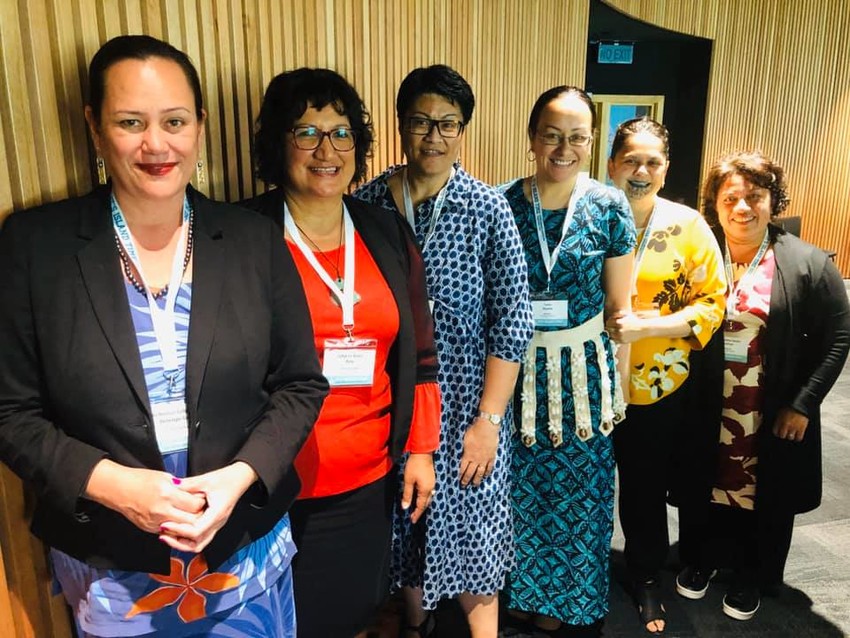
{"x": 101, "y": 170}
{"x": 200, "y": 173}
{"x": 530, "y": 156}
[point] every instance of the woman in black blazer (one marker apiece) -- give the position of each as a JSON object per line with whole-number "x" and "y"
{"x": 312, "y": 141}
{"x": 158, "y": 376}
{"x": 785, "y": 339}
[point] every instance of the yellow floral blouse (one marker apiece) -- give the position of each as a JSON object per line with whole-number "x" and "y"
{"x": 681, "y": 269}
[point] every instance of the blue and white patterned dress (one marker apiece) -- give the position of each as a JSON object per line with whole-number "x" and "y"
{"x": 477, "y": 280}
{"x": 250, "y": 594}
{"x": 563, "y": 495}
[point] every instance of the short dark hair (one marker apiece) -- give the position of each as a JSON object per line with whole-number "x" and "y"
{"x": 137, "y": 47}
{"x": 637, "y": 125}
{"x": 553, "y": 94}
{"x": 756, "y": 168}
{"x": 287, "y": 97}
{"x": 438, "y": 79}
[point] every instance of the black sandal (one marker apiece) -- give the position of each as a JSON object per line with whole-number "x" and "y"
{"x": 650, "y": 608}
{"x": 424, "y": 629}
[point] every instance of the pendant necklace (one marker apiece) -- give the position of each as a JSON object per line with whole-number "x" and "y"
{"x": 338, "y": 280}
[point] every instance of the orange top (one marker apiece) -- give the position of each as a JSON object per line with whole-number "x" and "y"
{"x": 349, "y": 445}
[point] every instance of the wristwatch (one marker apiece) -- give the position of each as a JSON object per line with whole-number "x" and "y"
{"x": 495, "y": 419}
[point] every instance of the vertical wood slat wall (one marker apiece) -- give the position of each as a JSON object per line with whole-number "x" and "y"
{"x": 780, "y": 81}
{"x": 509, "y": 52}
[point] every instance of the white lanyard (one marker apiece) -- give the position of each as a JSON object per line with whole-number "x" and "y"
{"x": 641, "y": 249}
{"x": 409, "y": 211}
{"x": 734, "y": 288}
{"x": 551, "y": 258}
{"x": 345, "y": 297}
{"x": 162, "y": 319}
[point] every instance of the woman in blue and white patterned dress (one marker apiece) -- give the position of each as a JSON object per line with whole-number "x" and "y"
{"x": 578, "y": 237}
{"x": 477, "y": 283}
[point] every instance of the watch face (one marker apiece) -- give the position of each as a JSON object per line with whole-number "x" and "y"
{"x": 495, "y": 419}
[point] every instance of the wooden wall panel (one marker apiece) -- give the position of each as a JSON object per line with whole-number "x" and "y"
{"x": 780, "y": 81}
{"x": 509, "y": 52}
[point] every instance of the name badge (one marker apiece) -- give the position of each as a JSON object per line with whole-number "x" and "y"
{"x": 171, "y": 425}
{"x": 349, "y": 362}
{"x": 737, "y": 346}
{"x": 550, "y": 313}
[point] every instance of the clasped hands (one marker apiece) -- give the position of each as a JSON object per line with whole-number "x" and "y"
{"x": 185, "y": 513}
{"x": 628, "y": 327}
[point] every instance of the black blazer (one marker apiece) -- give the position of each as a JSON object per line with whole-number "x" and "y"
{"x": 72, "y": 389}
{"x": 413, "y": 357}
{"x": 806, "y": 344}
{"x": 808, "y": 337}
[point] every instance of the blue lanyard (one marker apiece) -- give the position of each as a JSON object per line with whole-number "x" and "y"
{"x": 162, "y": 319}
{"x": 551, "y": 258}
{"x": 734, "y": 289}
{"x": 409, "y": 212}
{"x": 641, "y": 249}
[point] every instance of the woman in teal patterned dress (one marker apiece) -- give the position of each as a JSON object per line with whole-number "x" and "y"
{"x": 563, "y": 463}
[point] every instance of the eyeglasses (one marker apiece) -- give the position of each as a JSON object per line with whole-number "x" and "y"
{"x": 556, "y": 139}
{"x": 424, "y": 126}
{"x": 309, "y": 138}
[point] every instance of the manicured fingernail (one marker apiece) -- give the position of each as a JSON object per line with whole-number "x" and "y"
{"x": 176, "y": 480}
{"x": 161, "y": 539}
{"x": 162, "y": 530}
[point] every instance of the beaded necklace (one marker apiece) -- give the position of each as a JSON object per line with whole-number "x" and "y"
{"x": 128, "y": 271}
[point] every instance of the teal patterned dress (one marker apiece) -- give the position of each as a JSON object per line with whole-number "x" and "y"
{"x": 563, "y": 495}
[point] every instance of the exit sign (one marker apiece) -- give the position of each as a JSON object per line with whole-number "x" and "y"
{"x": 615, "y": 53}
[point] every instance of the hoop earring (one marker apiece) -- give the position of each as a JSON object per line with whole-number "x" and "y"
{"x": 102, "y": 178}
{"x": 530, "y": 156}
{"x": 200, "y": 173}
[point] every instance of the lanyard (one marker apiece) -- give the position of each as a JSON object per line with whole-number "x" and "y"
{"x": 162, "y": 319}
{"x": 734, "y": 289}
{"x": 438, "y": 205}
{"x": 551, "y": 258}
{"x": 641, "y": 249}
{"x": 345, "y": 297}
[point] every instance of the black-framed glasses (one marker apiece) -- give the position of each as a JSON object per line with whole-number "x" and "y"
{"x": 424, "y": 125}
{"x": 556, "y": 139}
{"x": 309, "y": 138}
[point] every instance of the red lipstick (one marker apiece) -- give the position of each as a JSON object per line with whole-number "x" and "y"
{"x": 157, "y": 170}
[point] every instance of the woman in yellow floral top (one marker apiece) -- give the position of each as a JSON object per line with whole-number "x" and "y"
{"x": 677, "y": 304}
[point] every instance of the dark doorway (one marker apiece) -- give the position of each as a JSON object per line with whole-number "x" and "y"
{"x": 666, "y": 63}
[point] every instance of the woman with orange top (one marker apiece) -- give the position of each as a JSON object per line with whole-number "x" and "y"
{"x": 677, "y": 304}
{"x": 365, "y": 285}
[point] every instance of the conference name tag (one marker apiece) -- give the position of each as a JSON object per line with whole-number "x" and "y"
{"x": 349, "y": 362}
{"x": 171, "y": 426}
{"x": 737, "y": 346}
{"x": 550, "y": 313}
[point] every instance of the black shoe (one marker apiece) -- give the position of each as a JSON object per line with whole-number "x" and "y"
{"x": 692, "y": 582}
{"x": 742, "y": 601}
{"x": 647, "y": 595}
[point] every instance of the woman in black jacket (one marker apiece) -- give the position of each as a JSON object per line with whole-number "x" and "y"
{"x": 157, "y": 375}
{"x": 365, "y": 284}
{"x": 785, "y": 339}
